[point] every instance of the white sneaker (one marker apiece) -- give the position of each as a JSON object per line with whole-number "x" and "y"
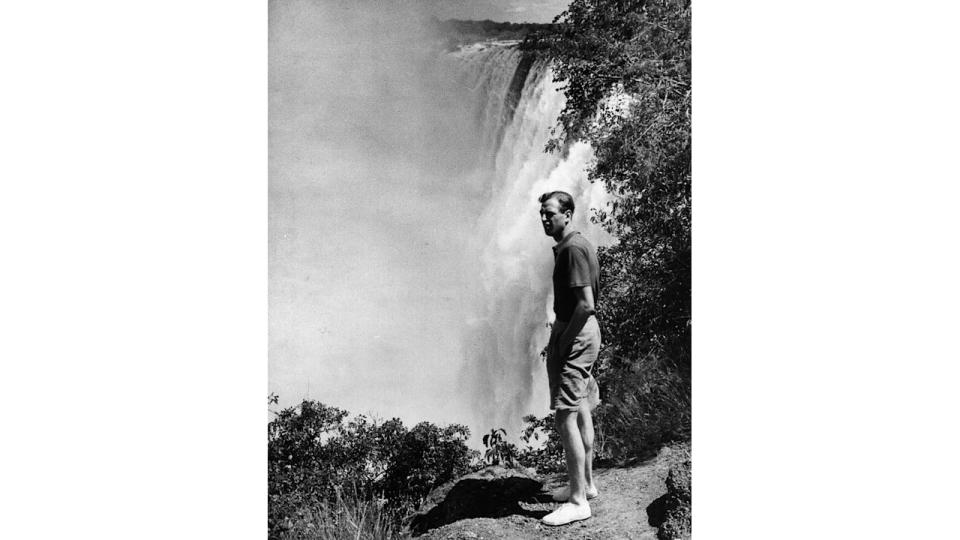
{"x": 564, "y": 494}
{"x": 567, "y": 513}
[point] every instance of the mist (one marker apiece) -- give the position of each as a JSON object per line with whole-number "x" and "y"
{"x": 370, "y": 199}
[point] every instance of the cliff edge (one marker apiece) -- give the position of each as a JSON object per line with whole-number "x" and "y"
{"x": 498, "y": 502}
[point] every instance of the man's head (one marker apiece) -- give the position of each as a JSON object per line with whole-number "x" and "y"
{"x": 556, "y": 212}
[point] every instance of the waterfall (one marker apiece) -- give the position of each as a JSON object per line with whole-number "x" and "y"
{"x": 409, "y": 274}
{"x": 503, "y": 374}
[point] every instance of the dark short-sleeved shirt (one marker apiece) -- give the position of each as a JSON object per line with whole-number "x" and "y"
{"x": 575, "y": 265}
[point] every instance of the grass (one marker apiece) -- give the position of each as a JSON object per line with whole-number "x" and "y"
{"x": 347, "y": 517}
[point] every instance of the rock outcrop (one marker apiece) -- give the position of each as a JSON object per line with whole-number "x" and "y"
{"x": 493, "y": 492}
{"x": 671, "y": 513}
{"x": 498, "y": 502}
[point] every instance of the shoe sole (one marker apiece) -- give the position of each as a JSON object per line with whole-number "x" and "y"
{"x": 565, "y": 522}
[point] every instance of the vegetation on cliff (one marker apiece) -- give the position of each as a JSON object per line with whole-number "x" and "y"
{"x": 324, "y": 470}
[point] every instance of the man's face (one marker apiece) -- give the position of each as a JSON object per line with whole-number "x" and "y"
{"x": 554, "y": 221}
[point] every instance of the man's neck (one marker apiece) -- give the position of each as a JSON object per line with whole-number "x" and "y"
{"x": 560, "y": 235}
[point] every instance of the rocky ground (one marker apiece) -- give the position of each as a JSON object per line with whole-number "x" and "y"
{"x": 497, "y": 503}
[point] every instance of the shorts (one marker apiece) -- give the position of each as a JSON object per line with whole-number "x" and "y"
{"x": 570, "y": 374}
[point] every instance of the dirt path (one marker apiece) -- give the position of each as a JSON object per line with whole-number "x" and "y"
{"x": 619, "y": 512}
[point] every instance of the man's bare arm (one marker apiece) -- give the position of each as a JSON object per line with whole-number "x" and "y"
{"x": 581, "y": 313}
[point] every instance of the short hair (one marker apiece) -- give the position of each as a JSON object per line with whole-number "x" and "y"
{"x": 564, "y": 200}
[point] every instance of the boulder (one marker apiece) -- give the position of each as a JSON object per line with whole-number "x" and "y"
{"x": 491, "y": 492}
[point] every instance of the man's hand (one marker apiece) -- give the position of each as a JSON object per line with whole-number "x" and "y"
{"x": 581, "y": 313}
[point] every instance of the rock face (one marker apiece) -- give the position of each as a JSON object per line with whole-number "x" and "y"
{"x": 672, "y": 512}
{"x": 497, "y": 503}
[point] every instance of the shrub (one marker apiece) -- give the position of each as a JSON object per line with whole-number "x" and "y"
{"x": 427, "y": 456}
{"x": 647, "y": 406}
{"x": 314, "y": 455}
{"x": 544, "y": 451}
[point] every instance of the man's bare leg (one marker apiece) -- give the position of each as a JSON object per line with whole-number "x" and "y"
{"x": 585, "y": 427}
{"x": 585, "y": 423}
{"x": 576, "y": 507}
{"x": 574, "y": 452}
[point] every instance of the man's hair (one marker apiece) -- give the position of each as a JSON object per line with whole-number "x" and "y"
{"x": 564, "y": 200}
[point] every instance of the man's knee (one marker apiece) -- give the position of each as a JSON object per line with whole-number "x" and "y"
{"x": 587, "y": 443}
{"x": 584, "y": 413}
{"x": 586, "y": 433}
{"x": 562, "y": 418}
{"x": 585, "y": 424}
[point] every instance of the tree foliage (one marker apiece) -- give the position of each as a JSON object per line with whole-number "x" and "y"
{"x": 625, "y": 66}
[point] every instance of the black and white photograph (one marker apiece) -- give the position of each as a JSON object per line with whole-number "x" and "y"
{"x": 479, "y": 257}
{"x": 454, "y": 269}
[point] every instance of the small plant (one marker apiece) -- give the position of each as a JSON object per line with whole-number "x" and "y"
{"x": 499, "y": 451}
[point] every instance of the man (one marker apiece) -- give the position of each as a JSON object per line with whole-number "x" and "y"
{"x": 571, "y": 353}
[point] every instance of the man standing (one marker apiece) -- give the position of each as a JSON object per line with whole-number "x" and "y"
{"x": 571, "y": 353}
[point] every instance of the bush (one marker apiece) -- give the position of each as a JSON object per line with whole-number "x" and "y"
{"x": 426, "y": 457}
{"x": 315, "y": 457}
{"x": 544, "y": 451}
{"x": 648, "y": 405}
